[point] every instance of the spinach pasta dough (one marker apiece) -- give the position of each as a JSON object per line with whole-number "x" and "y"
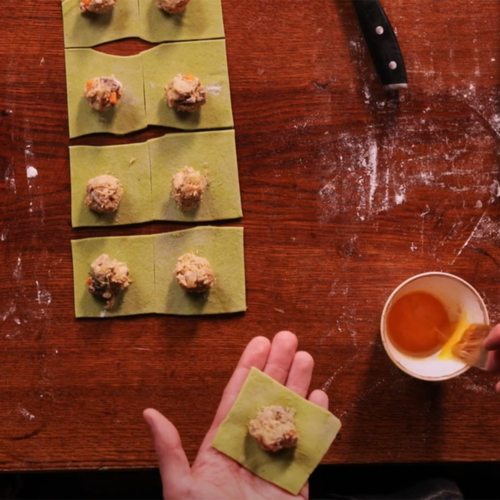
{"x": 152, "y": 260}
{"x": 260, "y": 421}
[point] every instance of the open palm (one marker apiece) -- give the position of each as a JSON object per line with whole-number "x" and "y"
{"x": 213, "y": 475}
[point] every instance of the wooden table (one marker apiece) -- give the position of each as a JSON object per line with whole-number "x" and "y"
{"x": 347, "y": 191}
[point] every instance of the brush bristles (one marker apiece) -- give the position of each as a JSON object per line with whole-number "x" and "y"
{"x": 469, "y": 348}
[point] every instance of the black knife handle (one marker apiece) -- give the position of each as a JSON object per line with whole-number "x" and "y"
{"x": 382, "y": 43}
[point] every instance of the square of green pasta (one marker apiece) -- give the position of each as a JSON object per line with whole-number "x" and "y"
{"x": 88, "y": 29}
{"x": 289, "y": 468}
{"x": 223, "y": 248}
{"x": 129, "y": 163}
{"x": 138, "y": 253}
{"x": 212, "y": 153}
{"x": 205, "y": 60}
{"x": 130, "y": 112}
{"x": 200, "y": 20}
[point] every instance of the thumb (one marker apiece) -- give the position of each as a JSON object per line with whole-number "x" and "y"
{"x": 174, "y": 465}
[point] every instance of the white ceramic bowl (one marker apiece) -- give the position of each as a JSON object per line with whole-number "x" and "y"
{"x": 458, "y": 297}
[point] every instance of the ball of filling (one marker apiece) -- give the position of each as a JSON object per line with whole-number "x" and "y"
{"x": 188, "y": 187}
{"x": 97, "y": 6}
{"x": 104, "y": 194}
{"x": 185, "y": 93}
{"x": 103, "y": 92}
{"x": 108, "y": 277}
{"x": 274, "y": 428}
{"x": 194, "y": 274}
{"x": 172, "y": 6}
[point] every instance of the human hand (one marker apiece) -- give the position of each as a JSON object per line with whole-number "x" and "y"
{"x": 492, "y": 344}
{"x": 213, "y": 475}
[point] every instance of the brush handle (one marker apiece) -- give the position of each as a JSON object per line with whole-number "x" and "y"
{"x": 482, "y": 359}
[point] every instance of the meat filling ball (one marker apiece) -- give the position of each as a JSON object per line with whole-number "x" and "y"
{"x": 172, "y": 6}
{"x": 274, "y": 428}
{"x": 194, "y": 274}
{"x": 188, "y": 187}
{"x": 185, "y": 93}
{"x": 97, "y": 6}
{"x": 104, "y": 194}
{"x": 103, "y": 92}
{"x": 108, "y": 277}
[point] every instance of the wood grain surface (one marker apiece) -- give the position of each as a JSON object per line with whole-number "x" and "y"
{"x": 347, "y": 191}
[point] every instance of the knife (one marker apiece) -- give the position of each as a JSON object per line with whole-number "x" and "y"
{"x": 382, "y": 44}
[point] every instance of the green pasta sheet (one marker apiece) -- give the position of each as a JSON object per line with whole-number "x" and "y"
{"x": 145, "y": 171}
{"x": 88, "y": 29}
{"x": 201, "y": 20}
{"x": 223, "y": 247}
{"x": 214, "y": 154}
{"x": 288, "y": 468}
{"x": 130, "y": 164}
{"x": 130, "y": 112}
{"x": 138, "y": 253}
{"x": 206, "y": 60}
{"x": 151, "y": 261}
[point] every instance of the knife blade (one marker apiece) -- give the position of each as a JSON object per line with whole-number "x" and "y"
{"x": 382, "y": 44}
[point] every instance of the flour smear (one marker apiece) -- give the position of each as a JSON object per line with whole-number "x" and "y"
{"x": 374, "y": 172}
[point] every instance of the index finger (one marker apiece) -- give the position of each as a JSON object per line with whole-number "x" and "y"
{"x": 255, "y": 354}
{"x": 493, "y": 361}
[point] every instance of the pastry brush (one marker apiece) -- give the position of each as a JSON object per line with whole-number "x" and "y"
{"x": 469, "y": 349}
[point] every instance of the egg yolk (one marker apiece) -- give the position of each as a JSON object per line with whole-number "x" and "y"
{"x": 418, "y": 324}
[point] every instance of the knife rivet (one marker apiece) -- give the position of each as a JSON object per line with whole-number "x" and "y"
{"x": 379, "y": 30}
{"x": 392, "y": 65}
